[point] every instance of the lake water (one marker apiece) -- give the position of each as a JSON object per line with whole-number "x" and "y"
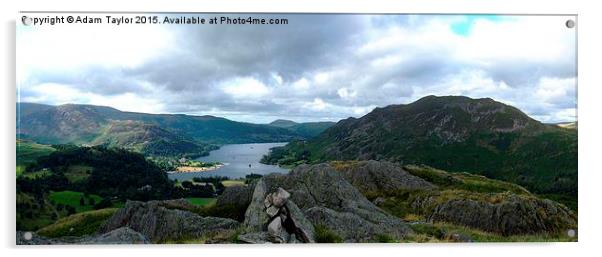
{"x": 236, "y": 159}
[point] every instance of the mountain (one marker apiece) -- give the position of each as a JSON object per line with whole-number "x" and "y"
{"x": 149, "y": 139}
{"x": 89, "y": 124}
{"x": 306, "y": 129}
{"x": 453, "y": 133}
{"x": 283, "y": 123}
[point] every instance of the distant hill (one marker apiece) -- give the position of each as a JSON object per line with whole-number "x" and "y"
{"x": 454, "y": 133}
{"x": 148, "y": 133}
{"x": 567, "y": 125}
{"x": 283, "y": 123}
{"x": 150, "y": 140}
{"x": 305, "y": 129}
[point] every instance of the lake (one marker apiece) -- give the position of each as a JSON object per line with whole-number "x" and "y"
{"x": 236, "y": 159}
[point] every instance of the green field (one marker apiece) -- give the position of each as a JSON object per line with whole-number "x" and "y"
{"x": 200, "y": 201}
{"x": 229, "y": 183}
{"x": 72, "y": 198}
{"x": 28, "y": 152}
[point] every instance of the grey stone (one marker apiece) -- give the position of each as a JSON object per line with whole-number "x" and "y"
{"x": 276, "y": 232}
{"x": 254, "y": 238}
{"x": 515, "y": 215}
{"x": 280, "y": 197}
{"x": 238, "y": 196}
{"x": 272, "y": 211}
{"x": 159, "y": 221}
{"x": 255, "y": 217}
{"x": 353, "y": 228}
{"x": 381, "y": 176}
{"x": 123, "y": 235}
{"x": 303, "y": 226}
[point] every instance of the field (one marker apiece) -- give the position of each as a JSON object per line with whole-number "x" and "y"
{"x": 73, "y": 199}
{"x": 229, "y": 183}
{"x": 200, "y": 201}
{"x": 28, "y": 152}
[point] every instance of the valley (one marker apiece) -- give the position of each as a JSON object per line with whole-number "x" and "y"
{"x": 441, "y": 169}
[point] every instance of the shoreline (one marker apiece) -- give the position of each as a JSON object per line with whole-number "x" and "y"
{"x": 190, "y": 169}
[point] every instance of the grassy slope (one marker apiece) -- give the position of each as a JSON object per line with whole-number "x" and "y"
{"x": 79, "y": 224}
{"x": 28, "y": 152}
{"x": 200, "y": 201}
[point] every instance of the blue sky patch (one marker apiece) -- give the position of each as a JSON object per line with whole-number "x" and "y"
{"x": 463, "y": 28}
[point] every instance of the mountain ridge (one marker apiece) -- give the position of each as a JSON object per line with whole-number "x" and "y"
{"x": 453, "y": 133}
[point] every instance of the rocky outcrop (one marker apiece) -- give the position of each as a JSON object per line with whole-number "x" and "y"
{"x": 123, "y": 235}
{"x": 161, "y": 221}
{"x": 515, "y": 215}
{"x": 323, "y": 187}
{"x": 380, "y": 176}
{"x": 237, "y": 196}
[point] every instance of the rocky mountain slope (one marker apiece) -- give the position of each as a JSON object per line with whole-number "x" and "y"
{"x": 453, "y": 133}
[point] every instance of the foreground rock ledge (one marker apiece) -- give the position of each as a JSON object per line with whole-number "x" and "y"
{"x": 161, "y": 221}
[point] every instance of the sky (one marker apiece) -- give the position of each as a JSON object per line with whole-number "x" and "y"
{"x": 315, "y": 68}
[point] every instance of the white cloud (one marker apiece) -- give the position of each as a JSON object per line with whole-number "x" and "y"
{"x": 344, "y": 68}
{"x": 245, "y": 88}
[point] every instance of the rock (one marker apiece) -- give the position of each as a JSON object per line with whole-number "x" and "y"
{"x": 353, "y": 228}
{"x": 321, "y": 186}
{"x": 160, "y": 221}
{"x": 515, "y": 215}
{"x": 380, "y": 176}
{"x": 280, "y": 197}
{"x": 272, "y": 211}
{"x": 255, "y": 216}
{"x": 276, "y": 232}
{"x": 378, "y": 201}
{"x": 254, "y": 238}
{"x": 293, "y": 240}
{"x": 123, "y": 235}
{"x": 303, "y": 226}
{"x": 238, "y": 196}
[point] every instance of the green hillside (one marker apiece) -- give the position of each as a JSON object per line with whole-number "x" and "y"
{"x": 457, "y": 134}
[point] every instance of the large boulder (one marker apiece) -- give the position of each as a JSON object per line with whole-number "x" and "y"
{"x": 237, "y": 196}
{"x": 322, "y": 186}
{"x": 514, "y": 215}
{"x": 161, "y": 221}
{"x": 374, "y": 177}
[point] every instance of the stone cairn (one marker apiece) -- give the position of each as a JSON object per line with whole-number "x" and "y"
{"x": 286, "y": 224}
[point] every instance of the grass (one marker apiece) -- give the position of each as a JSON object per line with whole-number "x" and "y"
{"x": 36, "y": 174}
{"x": 229, "y": 183}
{"x": 78, "y": 173}
{"x": 325, "y": 235}
{"x": 201, "y": 201}
{"x": 79, "y": 224}
{"x": 438, "y": 232}
{"x": 33, "y": 213}
{"x": 28, "y": 152}
{"x": 72, "y": 198}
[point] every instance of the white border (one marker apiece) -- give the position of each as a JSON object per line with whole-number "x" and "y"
{"x": 588, "y": 106}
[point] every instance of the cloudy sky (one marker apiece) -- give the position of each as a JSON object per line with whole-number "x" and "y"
{"x": 318, "y": 67}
